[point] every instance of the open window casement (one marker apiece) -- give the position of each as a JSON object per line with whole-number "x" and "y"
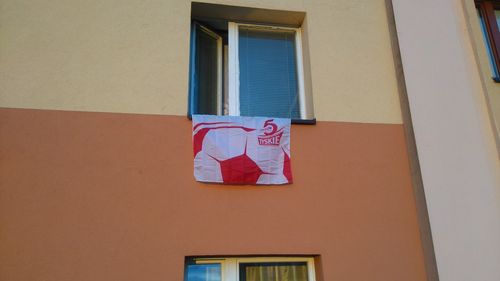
{"x": 205, "y": 71}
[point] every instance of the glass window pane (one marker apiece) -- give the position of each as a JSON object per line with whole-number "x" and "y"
{"x": 280, "y": 271}
{"x": 206, "y": 79}
{"x": 203, "y": 272}
{"x": 268, "y": 73}
{"x": 487, "y": 42}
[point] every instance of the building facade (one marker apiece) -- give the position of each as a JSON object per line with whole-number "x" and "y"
{"x": 397, "y": 179}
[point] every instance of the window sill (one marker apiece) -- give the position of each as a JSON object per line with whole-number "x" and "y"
{"x": 294, "y": 121}
{"x": 304, "y": 121}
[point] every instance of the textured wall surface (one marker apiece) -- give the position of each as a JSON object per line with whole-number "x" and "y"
{"x": 454, "y": 138}
{"x": 132, "y": 56}
{"x": 105, "y": 196}
{"x": 87, "y": 195}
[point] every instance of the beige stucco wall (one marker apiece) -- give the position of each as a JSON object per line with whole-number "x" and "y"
{"x": 492, "y": 89}
{"x": 132, "y": 56}
{"x": 454, "y": 137}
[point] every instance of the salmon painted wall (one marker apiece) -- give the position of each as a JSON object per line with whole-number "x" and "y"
{"x": 107, "y": 196}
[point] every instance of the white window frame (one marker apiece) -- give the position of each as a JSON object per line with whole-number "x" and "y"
{"x": 234, "y": 70}
{"x": 230, "y": 266}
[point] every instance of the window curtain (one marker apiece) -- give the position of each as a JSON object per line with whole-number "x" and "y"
{"x": 276, "y": 273}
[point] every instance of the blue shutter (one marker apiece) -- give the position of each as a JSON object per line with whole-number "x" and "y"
{"x": 268, "y": 73}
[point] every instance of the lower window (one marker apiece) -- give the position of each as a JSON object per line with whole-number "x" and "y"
{"x": 250, "y": 269}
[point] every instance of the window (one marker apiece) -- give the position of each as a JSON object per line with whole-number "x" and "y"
{"x": 489, "y": 18}
{"x": 250, "y": 269}
{"x": 244, "y": 69}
